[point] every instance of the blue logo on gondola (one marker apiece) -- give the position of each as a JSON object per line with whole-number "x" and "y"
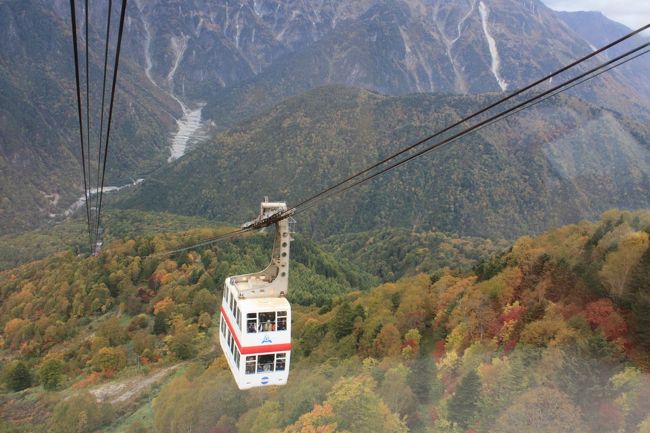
{"x": 265, "y": 380}
{"x": 266, "y": 339}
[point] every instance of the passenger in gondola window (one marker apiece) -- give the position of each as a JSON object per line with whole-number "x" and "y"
{"x": 282, "y": 323}
{"x": 251, "y": 322}
{"x": 280, "y": 362}
{"x": 250, "y": 365}
{"x": 265, "y": 363}
{"x": 267, "y": 317}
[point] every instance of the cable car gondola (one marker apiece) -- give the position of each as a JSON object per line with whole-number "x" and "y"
{"x": 255, "y": 325}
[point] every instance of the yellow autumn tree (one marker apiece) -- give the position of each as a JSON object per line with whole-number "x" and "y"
{"x": 359, "y": 409}
{"x": 109, "y": 359}
{"x": 618, "y": 265}
{"x": 13, "y": 332}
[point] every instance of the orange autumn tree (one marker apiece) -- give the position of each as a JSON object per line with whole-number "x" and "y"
{"x": 602, "y": 315}
{"x": 164, "y": 305}
{"x": 388, "y": 342}
{"x": 320, "y": 420}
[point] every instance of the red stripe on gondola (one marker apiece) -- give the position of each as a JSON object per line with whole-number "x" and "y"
{"x": 251, "y": 350}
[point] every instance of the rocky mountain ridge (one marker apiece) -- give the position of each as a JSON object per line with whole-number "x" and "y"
{"x": 241, "y": 56}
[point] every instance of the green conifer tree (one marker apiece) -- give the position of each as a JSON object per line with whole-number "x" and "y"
{"x": 463, "y": 404}
{"x": 343, "y": 321}
{"x": 423, "y": 380}
{"x": 161, "y": 323}
{"x": 19, "y": 377}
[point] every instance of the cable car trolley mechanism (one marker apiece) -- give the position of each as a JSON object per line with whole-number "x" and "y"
{"x": 255, "y": 325}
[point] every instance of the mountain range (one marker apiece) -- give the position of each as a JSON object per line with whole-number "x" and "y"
{"x": 209, "y": 66}
{"x": 217, "y": 51}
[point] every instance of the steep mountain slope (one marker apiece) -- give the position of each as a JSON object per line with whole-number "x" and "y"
{"x": 39, "y": 142}
{"x": 399, "y": 47}
{"x": 241, "y": 56}
{"x": 561, "y": 161}
{"x": 200, "y": 46}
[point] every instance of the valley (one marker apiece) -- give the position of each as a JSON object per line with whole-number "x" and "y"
{"x": 505, "y": 181}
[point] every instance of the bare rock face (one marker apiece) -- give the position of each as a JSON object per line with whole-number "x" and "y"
{"x": 395, "y": 47}
{"x": 244, "y": 56}
{"x": 200, "y": 46}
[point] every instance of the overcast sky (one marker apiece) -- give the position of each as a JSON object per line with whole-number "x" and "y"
{"x": 632, "y": 13}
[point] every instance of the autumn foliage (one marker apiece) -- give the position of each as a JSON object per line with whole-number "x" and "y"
{"x": 547, "y": 336}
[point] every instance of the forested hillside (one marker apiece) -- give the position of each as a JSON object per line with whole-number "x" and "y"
{"x": 72, "y": 235}
{"x": 562, "y": 161}
{"x": 394, "y": 253}
{"x": 551, "y": 335}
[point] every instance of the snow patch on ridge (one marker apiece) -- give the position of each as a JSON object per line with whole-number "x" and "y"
{"x": 416, "y": 64}
{"x": 148, "y": 64}
{"x": 494, "y": 53}
{"x": 460, "y": 83}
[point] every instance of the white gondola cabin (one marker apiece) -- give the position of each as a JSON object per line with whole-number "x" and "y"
{"x": 255, "y": 325}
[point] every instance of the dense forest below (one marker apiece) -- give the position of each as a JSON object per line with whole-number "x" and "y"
{"x": 392, "y": 253}
{"x": 548, "y": 335}
{"x": 408, "y": 251}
